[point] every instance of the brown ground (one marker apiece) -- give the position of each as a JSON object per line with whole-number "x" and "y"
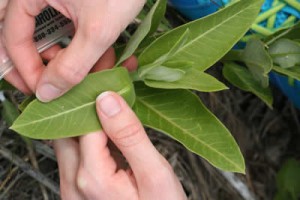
{"x": 267, "y": 138}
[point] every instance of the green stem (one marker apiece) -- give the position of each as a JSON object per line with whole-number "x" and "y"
{"x": 261, "y": 30}
{"x": 294, "y": 4}
{"x": 135, "y": 76}
{"x": 289, "y": 21}
{"x": 272, "y": 19}
{"x": 246, "y": 38}
{"x": 270, "y": 12}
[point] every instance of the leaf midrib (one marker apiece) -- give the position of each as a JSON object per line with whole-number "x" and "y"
{"x": 204, "y": 144}
{"x": 215, "y": 27}
{"x": 56, "y": 115}
{"x": 284, "y": 54}
{"x": 120, "y": 92}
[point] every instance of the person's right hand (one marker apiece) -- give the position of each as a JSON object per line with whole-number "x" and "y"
{"x": 89, "y": 171}
{"x": 98, "y": 23}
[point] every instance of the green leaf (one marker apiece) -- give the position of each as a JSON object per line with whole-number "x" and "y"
{"x": 258, "y": 61}
{"x": 192, "y": 79}
{"x": 143, "y": 70}
{"x": 181, "y": 115}
{"x": 285, "y": 53}
{"x": 4, "y": 85}
{"x": 9, "y": 112}
{"x": 148, "y": 26}
{"x": 209, "y": 38}
{"x": 164, "y": 74}
{"x": 26, "y": 102}
{"x": 293, "y": 72}
{"x": 288, "y": 179}
{"x": 289, "y": 33}
{"x": 74, "y": 113}
{"x": 241, "y": 77}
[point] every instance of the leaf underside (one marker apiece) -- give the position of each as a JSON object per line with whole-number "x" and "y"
{"x": 181, "y": 115}
{"x": 74, "y": 113}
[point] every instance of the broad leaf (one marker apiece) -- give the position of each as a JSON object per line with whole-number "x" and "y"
{"x": 241, "y": 77}
{"x": 209, "y": 38}
{"x": 74, "y": 113}
{"x": 148, "y": 26}
{"x": 192, "y": 79}
{"x": 258, "y": 61}
{"x": 144, "y": 70}
{"x": 293, "y": 72}
{"x": 181, "y": 115}
{"x": 288, "y": 180}
{"x": 289, "y": 33}
{"x": 285, "y": 53}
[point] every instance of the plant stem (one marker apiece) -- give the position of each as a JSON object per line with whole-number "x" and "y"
{"x": 272, "y": 19}
{"x": 294, "y": 4}
{"x": 270, "y": 12}
{"x": 27, "y": 168}
{"x": 135, "y": 76}
{"x": 261, "y": 30}
{"x": 289, "y": 21}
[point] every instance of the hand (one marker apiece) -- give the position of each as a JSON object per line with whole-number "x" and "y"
{"x": 88, "y": 170}
{"x": 98, "y": 23}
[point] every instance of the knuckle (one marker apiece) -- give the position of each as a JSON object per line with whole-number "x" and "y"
{"x": 70, "y": 75}
{"x": 83, "y": 183}
{"x": 101, "y": 33}
{"x": 129, "y": 135}
{"x": 159, "y": 179}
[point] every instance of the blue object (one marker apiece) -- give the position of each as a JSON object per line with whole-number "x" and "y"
{"x": 291, "y": 91}
{"x": 194, "y": 9}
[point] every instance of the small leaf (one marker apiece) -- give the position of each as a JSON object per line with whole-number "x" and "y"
{"x": 148, "y": 26}
{"x": 4, "y": 85}
{"x": 288, "y": 179}
{"x": 285, "y": 53}
{"x": 74, "y": 113}
{"x": 181, "y": 115}
{"x": 209, "y": 38}
{"x": 293, "y": 72}
{"x": 164, "y": 74}
{"x": 258, "y": 61}
{"x": 192, "y": 79}
{"x": 143, "y": 70}
{"x": 26, "y": 102}
{"x": 240, "y": 77}
{"x": 289, "y": 33}
{"x": 9, "y": 112}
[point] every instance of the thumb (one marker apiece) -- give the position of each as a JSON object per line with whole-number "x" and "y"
{"x": 127, "y": 133}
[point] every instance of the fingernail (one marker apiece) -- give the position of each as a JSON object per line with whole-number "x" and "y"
{"x": 47, "y": 92}
{"x": 108, "y": 104}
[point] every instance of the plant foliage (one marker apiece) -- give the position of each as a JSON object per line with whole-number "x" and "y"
{"x": 169, "y": 68}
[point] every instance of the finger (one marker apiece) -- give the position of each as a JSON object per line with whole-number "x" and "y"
{"x": 131, "y": 63}
{"x": 97, "y": 166}
{"x": 125, "y": 130}
{"x": 18, "y": 31}
{"x": 50, "y": 53}
{"x": 70, "y": 65}
{"x": 3, "y": 4}
{"x": 106, "y": 61}
{"x": 14, "y": 78}
{"x": 96, "y": 156}
{"x": 67, "y": 154}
